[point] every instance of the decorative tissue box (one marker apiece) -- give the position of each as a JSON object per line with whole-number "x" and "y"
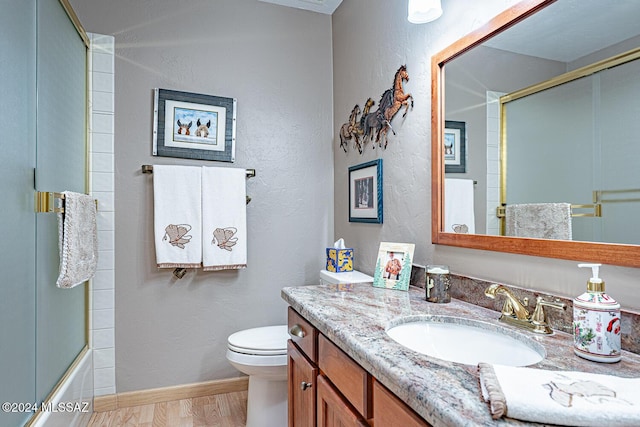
{"x": 339, "y": 260}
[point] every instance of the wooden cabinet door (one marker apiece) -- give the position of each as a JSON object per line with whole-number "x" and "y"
{"x": 389, "y": 411}
{"x": 333, "y": 409}
{"x": 302, "y": 388}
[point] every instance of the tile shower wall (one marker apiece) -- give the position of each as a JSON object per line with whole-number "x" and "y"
{"x": 493, "y": 161}
{"x": 101, "y": 169}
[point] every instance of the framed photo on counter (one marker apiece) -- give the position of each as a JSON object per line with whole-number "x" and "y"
{"x": 393, "y": 267}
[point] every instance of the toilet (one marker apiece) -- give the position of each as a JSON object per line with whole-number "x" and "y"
{"x": 261, "y": 353}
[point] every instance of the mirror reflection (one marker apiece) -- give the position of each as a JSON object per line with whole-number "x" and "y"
{"x": 550, "y": 110}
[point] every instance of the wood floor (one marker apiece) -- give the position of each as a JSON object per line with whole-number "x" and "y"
{"x": 221, "y": 410}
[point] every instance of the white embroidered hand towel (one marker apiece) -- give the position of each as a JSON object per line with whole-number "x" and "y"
{"x": 560, "y": 397}
{"x": 459, "y": 216}
{"x": 78, "y": 240}
{"x": 177, "y": 220}
{"x": 224, "y": 218}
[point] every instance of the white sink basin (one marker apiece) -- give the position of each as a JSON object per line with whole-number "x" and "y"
{"x": 465, "y": 341}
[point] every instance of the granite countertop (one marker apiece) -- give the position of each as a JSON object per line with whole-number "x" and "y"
{"x": 443, "y": 393}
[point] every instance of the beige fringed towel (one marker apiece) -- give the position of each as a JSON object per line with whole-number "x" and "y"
{"x": 177, "y": 220}
{"x": 539, "y": 220}
{"x": 560, "y": 397}
{"x": 78, "y": 240}
{"x": 224, "y": 219}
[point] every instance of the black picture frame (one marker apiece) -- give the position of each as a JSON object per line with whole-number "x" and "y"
{"x": 202, "y": 126}
{"x": 455, "y": 147}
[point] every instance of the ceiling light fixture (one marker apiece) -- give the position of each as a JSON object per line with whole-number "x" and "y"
{"x": 422, "y": 11}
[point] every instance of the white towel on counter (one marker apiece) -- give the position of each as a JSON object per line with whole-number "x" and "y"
{"x": 177, "y": 205}
{"x": 459, "y": 216}
{"x": 224, "y": 218}
{"x": 560, "y": 397}
{"x": 539, "y": 220}
{"x": 78, "y": 240}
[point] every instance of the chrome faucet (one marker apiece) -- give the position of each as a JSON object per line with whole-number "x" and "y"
{"x": 515, "y": 312}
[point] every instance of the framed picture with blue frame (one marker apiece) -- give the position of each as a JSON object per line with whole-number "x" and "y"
{"x": 365, "y": 192}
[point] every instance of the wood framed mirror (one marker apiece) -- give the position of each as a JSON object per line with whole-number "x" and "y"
{"x": 609, "y": 253}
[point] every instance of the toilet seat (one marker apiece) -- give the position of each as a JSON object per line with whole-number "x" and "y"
{"x": 247, "y": 363}
{"x": 256, "y": 352}
{"x": 263, "y": 341}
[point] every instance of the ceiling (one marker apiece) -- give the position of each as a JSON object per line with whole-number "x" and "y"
{"x": 565, "y": 31}
{"x": 321, "y": 6}
{"x": 570, "y": 29}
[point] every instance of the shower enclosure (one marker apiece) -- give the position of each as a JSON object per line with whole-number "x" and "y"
{"x": 43, "y": 122}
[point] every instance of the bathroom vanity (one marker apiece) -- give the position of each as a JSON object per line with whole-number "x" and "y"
{"x": 328, "y": 387}
{"x": 343, "y": 365}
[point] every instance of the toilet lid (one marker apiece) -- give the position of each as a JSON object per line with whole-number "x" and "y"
{"x": 267, "y": 340}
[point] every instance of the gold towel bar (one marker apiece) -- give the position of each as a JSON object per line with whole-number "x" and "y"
{"x": 597, "y": 210}
{"x": 45, "y": 202}
{"x": 149, "y": 169}
{"x": 250, "y": 174}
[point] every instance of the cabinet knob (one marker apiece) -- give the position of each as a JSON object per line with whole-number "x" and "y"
{"x": 305, "y": 385}
{"x": 296, "y": 331}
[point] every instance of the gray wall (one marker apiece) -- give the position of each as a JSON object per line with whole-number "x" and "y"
{"x": 371, "y": 39}
{"x": 277, "y": 62}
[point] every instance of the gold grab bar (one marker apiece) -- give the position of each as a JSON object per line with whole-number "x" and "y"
{"x": 46, "y": 202}
{"x": 149, "y": 169}
{"x": 598, "y": 196}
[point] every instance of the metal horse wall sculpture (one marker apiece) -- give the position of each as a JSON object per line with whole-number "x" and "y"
{"x": 376, "y": 124}
{"x": 347, "y": 130}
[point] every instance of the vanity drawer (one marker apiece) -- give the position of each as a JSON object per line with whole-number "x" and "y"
{"x": 303, "y": 334}
{"x": 348, "y": 377}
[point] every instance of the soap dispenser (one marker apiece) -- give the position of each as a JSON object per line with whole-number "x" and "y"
{"x": 596, "y": 322}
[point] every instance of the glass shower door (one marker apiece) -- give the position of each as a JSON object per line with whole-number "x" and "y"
{"x": 43, "y": 109}
{"x": 60, "y": 165}
{"x": 17, "y": 216}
